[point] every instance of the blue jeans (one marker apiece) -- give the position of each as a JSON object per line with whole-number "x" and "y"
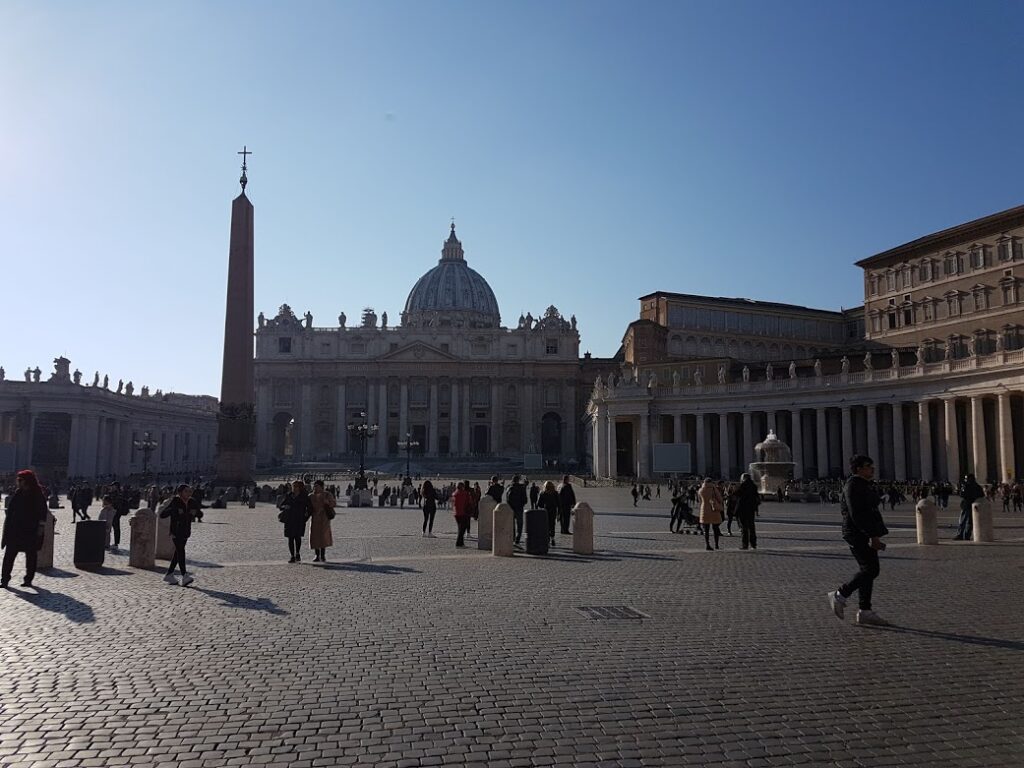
{"x": 966, "y": 527}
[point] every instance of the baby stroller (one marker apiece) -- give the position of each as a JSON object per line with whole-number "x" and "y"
{"x": 682, "y": 515}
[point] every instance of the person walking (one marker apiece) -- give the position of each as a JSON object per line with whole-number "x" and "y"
{"x": 461, "y": 504}
{"x": 863, "y": 529}
{"x": 566, "y": 501}
{"x": 711, "y": 508}
{"x": 323, "y": 504}
{"x": 181, "y": 516}
{"x": 24, "y": 525}
{"x": 747, "y": 502}
{"x": 534, "y": 495}
{"x": 81, "y": 499}
{"x": 106, "y": 515}
{"x": 496, "y": 490}
{"x": 548, "y": 500}
{"x": 517, "y": 500}
{"x": 296, "y": 509}
{"x": 970, "y": 493}
{"x": 731, "y": 500}
{"x": 635, "y": 493}
{"x": 429, "y": 496}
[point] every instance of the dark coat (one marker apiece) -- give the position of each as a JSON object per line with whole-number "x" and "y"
{"x": 747, "y": 499}
{"x": 549, "y": 500}
{"x": 181, "y": 515}
{"x": 971, "y": 493}
{"x": 861, "y": 518}
{"x": 24, "y": 521}
{"x": 566, "y": 498}
{"x": 296, "y": 509}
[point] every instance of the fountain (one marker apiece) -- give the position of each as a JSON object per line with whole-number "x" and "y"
{"x": 774, "y": 466}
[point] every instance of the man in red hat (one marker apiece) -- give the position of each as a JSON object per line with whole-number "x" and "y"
{"x": 23, "y": 527}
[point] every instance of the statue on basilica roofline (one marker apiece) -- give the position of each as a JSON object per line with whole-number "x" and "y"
{"x": 129, "y": 389}
{"x": 792, "y": 369}
{"x": 309, "y": 319}
{"x": 341, "y": 320}
{"x": 868, "y": 362}
{"x": 384, "y": 321}
{"x": 698, "y": 377}
{"x": 120, "y": 386}
{"x": 895, "y": 354}
{"x": 261, "y": 320}
{"x": 845, "y": 364}
{"x": 769, "y": 372}
{"x": 3, "y": 373}
{"x": 96, "y": 379}
{"x": 746, "y": 374}
{"x": 817, "y": 369}
{"x": 572, "y": 322}
{"x": 106, "y": 381}
{"x": 722, "y": 375}
{"x": 145, "y": 390}
{"x": 652, "y": 380}
{"x": 36, "y": 374}
{"x": 77, "y": 377}
{"x": 28, "y": 374}
{"x": 920, "y": 354}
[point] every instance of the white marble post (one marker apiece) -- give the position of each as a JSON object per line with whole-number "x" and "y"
{"x": 872, "y": 416}
{"x": 796, "y": 441}
{"x": 1007, "y": 460}
{"x": 485, "y": 526}
{"x": 341, "y": 424}
{"x": 433, "y": 428}
{"x": 924, "y": 425}
{"x": 822, "y": 440}
{"x": 503, "y": 531}
{"x": 583, "y": 529}
{"x": 847, "y": 429}
{"x": 899, "y": 447}
{"x": 702, "y": 464}
{"x": 952, "y": 441}
{"x": 724, "y": 460}
{"x": 978, "y": 439}
{"x": 613, "y": 467}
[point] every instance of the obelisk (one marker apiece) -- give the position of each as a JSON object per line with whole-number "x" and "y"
{"x": 236, "y": 419}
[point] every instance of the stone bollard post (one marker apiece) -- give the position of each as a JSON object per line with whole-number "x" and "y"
{"x": 927, "y": 521}
{"x": 485, "y": 524}
{"x": 164, "y": 543}
{"x": 981, "y": 521}
{"x": 503, "y": 531}
{"x": 45, "y": 557}
{"x": 142, "y": 550}
{"x": 583, "y": 529}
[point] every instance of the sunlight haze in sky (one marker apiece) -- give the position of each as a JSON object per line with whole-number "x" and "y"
{"x": 590, "y": 152}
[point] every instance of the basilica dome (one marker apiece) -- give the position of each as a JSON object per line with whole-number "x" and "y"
{"x": 451, "y": 294}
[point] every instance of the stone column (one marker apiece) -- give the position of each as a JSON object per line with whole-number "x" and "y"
{"x": 382, "y": 419}
{"x": 433, "y": 427}
{"x": 925, "y": 431}
{"x": 613, "y": 467}
{"x": 822, "y": 439}
{"x": 847, "y": 428}
{"x": 526, "y": 419}
{"x": 796, "y": 439}
{"x": 748, "y": 439}
{"x": 371, "y": 415}
{"x": 114, "y": 449}
{"x": 495, "y": 418}
{"x": 1007, "y": 460}
{"x": 872, "y": 416}
{"x": 899, "y": 447}
{"x": 677, "y": 428}
{"x": 978, "y": 439}
{"x": 724, "y": 454}
{"x": 569, "y": 448}
{"x": 454, "y": 446}
{"x": 644, "y": 447}
{"x": 305, "y": 422}
{"x": 467, "y": 444}
{"x": 770, "y": 419}
{"x": 24, "y": 438}
{"x": 702, "y": 464}
{"x": 341, "y": 425}
{"x": 952, "y": 441}
{"x": 403, "y": 410}
{"x": 75, "y": 445}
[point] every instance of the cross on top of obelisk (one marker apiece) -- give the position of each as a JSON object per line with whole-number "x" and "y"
{"x": 245, "y": 156}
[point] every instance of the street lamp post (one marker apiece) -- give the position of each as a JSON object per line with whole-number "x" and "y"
{"x": 361, "y": 432}
{"x": 407, "y": 445}
{"x": 147, "y": 445}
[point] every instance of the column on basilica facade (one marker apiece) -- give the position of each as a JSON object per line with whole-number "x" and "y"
{"x": 644, "y": 446}
{"x": 899, "y": 447}
{"x": 341, "y": 424}
{"x": 796, "y": 441}
{"x": 613, "y": 467}
{"x": 371, "y": 416}
{"x": 600, "y": 444}
{"x": 822, "y": 441}
{"x": 770, "y": 419}
{"x": 847, "y": 430}
{"x": 748, "y": 439}
{"x": 724, "y": 454}
{"x": 382, "y": 418}
{"x": 495, "y": 430}
{"x": 454, "y": 444}
{"x": 433, "y": 427}
{"x": 702, "y": 464}
{"x": 306, "y": 421}
{"x": 75, "y": 446}
{"x": 115, "y": 448}
{"x": 872, "y": 419}
{"x": 467, "y": 446}
{"x": 526, "y": 416}
{"x": 403, "y": 411}
{"x": 91, "y": 446}
{"x": 924, "y": 425}
{"x": 677, "y": 428}
{"x": 1007, "y": 460}
{"x": 570, "y": 449}
{"x": 952, "y": 441}
{"x": 978, "y": 439}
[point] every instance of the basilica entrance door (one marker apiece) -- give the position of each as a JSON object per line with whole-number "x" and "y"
{"x": 481, "y": 444}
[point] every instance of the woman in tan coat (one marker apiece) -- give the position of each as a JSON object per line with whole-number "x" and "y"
{"x": 711, "y": 508}
{"x": 320, "y": 523}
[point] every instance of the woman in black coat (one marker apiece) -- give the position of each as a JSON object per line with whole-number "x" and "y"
{"x": 24, "y": 523}
{"x": 549, "y": 500}
{"x": 296, "y": 508}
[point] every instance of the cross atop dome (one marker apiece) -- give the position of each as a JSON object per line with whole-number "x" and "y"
{"x": 452, "y": 250}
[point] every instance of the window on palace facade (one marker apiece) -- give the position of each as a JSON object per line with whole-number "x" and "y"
{"x": 908, "y": 314}
{"x": 1012, "y": 337}
{"x": 953, "y": 305}
{"x": 890, "y": 280}
{"x": 876, "y": 323}
{"x": 1008, "y": 287}
{"x": 980, "y": 298}
{"x": 928, "y": 310}
{"x": 977, "y": 257}
{"x": 905, "y": 274}
{"x": 873, "y": 283}
{"x": 551, "y": 346}
{"x": 1003, "y": 249}
{"x": 1018, "y": 249}
{"x": 284, "y": 346}
{"x": 949, "y": 264}
{"x": 924, "y": 271}
{"x": 891, "y": 320}
{"x": 510, "y": 394}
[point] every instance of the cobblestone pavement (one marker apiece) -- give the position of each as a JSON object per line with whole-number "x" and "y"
{"x": 405, "y": 651}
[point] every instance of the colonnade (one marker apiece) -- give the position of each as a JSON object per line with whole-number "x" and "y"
{"x": 926, "y": 439}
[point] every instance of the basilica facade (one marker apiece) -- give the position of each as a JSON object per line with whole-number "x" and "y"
{"x": 448, "y": 376}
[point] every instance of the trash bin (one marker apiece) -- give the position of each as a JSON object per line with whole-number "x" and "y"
{"x": 537, "y": 531}
{"x": 90, "y": 543}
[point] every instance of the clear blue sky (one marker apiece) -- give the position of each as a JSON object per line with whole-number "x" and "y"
{"x": 591, "y": 152}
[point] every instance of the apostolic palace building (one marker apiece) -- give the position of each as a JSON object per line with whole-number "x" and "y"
{"x": 927, "y": 377}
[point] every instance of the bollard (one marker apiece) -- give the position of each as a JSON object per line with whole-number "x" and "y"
{"x": 981, "y": 521}
{"x": 927, "y": 521}
{"x": 142, "y": 549}
{"x": 45, "y": 558}
{"x": 504, "y": 531}
{"x": 583, "y": 529}
{"x": 485, "y": 523}
{"x": 164, "y": 543}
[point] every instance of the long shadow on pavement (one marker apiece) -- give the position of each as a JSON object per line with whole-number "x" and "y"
{"x": 74, "y": 610}
{"x": 231, "y": 600}
{"x": 57, "y": 573}
{"x": 366, "y": 568}
{"x": 826, "y": 556}
{"x": 991, "y": 642}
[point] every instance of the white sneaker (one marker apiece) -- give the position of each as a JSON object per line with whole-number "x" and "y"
{"x": 186, "y": 580}
{"x": 838, "y": 604}
{"x": 170, "y": 578}
{"x": 871, "y": 619}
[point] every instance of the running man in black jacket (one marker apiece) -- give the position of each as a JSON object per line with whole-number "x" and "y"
{"x": 863, "y": 529}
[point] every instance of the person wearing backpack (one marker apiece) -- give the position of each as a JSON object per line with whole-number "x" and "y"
{"x": 179, "y": 510}
{"x": 516, "y": 498}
